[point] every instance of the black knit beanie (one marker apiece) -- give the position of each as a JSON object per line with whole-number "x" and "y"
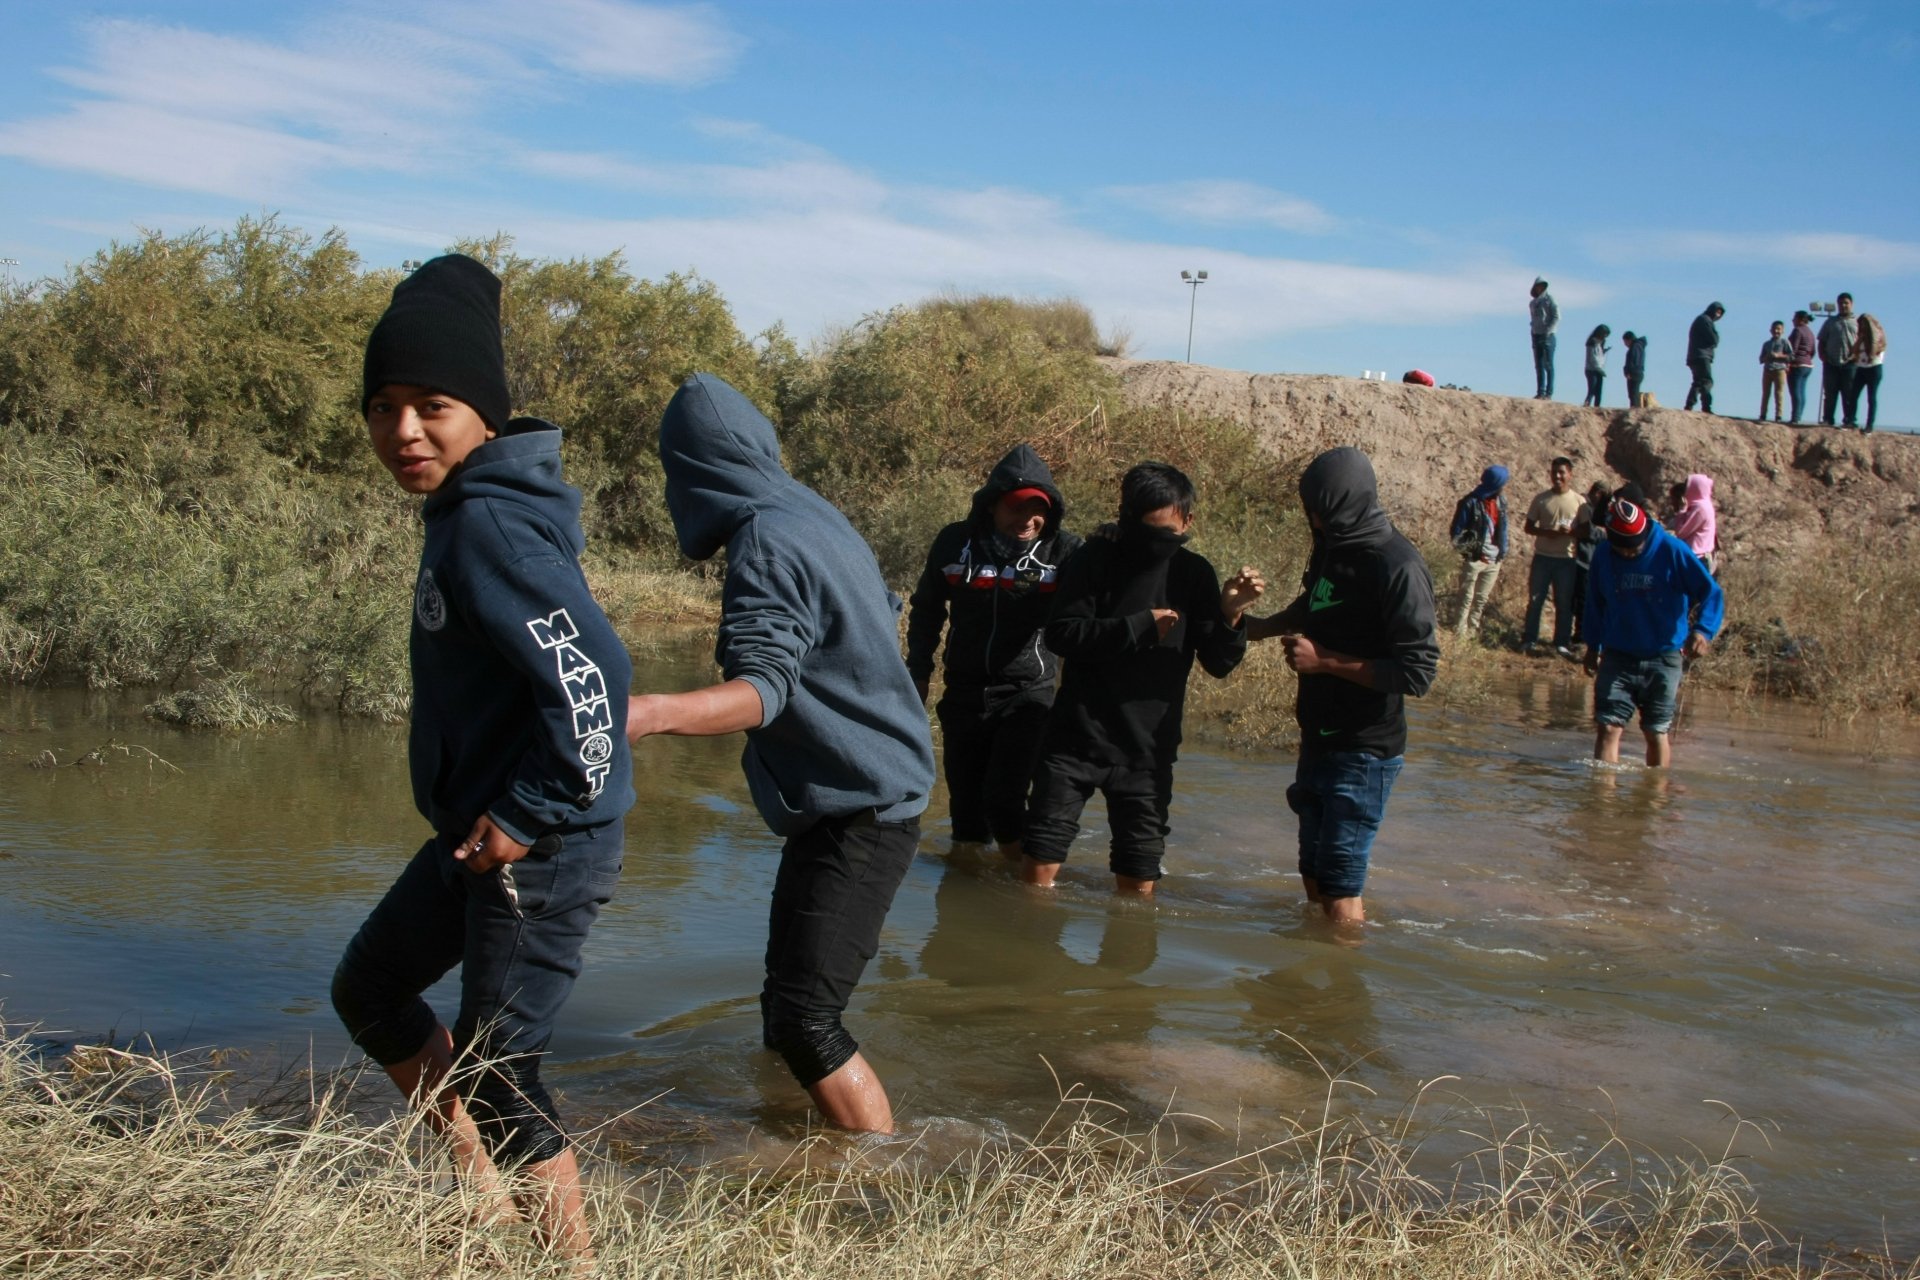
{"x": 442, "y": 331}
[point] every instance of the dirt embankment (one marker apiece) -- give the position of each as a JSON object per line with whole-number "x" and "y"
{"x": 1778, "y": 488}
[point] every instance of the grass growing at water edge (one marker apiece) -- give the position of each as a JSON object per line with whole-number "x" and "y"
{"x": 116, "y": 1164}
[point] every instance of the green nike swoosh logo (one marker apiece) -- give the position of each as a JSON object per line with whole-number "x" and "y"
{"x": 1316, "y": 605}
{"x": 1328, "y": 733}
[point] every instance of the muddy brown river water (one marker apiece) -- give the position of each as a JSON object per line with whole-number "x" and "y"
{"x": 1601, "y": 951}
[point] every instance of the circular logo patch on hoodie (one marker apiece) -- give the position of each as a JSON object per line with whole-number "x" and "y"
{"x": 428, "y": 604}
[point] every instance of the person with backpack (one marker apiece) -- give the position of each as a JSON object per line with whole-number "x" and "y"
{"x": 1479, "y": 534}
{"x": 1869, "y": 350}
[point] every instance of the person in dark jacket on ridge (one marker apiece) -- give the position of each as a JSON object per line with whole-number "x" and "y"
{"x": 1634, "y": 367}
{"x": 838, "y": 759}
{"x": 1134, "y": 609}
{"x": 1361, "y": 637}
{"x": 517, "y": 749}
{"x": 989, "y": 584}
{"x": 1703, "y": 340}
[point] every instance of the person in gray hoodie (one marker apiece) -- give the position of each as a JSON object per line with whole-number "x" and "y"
{"x": 839, "y": 760}
{"x": 1543, "y": 317}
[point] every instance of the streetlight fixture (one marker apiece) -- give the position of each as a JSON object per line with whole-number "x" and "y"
{"x": 9, "y": 264}
{"x": 1194, "y": 280}
{"x": 412, "y": 265}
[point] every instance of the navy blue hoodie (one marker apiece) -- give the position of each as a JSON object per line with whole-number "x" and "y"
{"x": 999, "y": 596}
{"x": 806, "y": 619}
{"x": 519, "y": 682}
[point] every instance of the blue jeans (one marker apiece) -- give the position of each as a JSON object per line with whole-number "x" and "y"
{"x": 1797, "y": 388}
{"x": 516, "y": 934}
{"x": 1627, "y": 682}
{"x": 1551, "y": 574}
{"x": 1543, "y": 345}
{"x": 1341, "y": 798}
{"x": 1595, "y": 380}
{"x": 1866, "y": 380}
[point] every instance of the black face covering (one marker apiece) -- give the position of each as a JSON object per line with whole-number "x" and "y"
{"x": 1150, "y": 544}
{"x": 1008, "y": 550}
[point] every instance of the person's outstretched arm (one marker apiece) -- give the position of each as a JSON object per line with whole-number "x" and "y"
{"x": 729, "y": 707}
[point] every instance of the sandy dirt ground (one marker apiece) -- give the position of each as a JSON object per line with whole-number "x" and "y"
{"x": 1777, "y": 488}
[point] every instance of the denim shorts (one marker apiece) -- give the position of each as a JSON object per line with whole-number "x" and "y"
{"x": 1341, "y": 797}
{"x": 1625, "y": 682}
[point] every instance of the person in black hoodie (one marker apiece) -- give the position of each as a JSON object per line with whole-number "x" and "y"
{"x": 1133, "y": 611}
{"x": 518, "y": 752}
{"x": 1360, "y": 635}
{"x": 1634, "y": 366}
{"x": 1703, "y": 341}
{"x": 992, "y": 576}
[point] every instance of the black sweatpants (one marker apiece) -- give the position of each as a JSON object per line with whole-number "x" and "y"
{"x": 988, "y": 758}
{"x": 830, "y": 898}
{"x": 1137, "y": 801}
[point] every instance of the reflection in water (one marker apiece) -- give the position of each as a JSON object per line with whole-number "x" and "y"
{"x": 1544, "y": 930}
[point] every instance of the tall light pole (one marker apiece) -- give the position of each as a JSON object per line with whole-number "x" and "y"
{"x": 9, "y": 264}
{"x": 1194, "y": 280}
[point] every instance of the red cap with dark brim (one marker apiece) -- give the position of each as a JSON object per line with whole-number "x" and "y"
{"x": 1021, "y": 495}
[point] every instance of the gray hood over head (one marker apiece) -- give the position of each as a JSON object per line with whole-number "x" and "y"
{"x": 1338, "y": 486}
{"x": 722, "y": 460}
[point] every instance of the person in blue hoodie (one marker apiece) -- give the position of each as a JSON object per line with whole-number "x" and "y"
{"x": 839, "y": 759}
{"x": 1479, "y": 534}
{"x": 1641, "y": 626}
{"x": 989, "y": 583}
{"x": 517, "y": 751}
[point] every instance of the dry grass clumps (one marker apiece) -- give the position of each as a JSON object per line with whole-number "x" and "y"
{"x": 116, "y": 1164}
{"x": 220, "y": 704}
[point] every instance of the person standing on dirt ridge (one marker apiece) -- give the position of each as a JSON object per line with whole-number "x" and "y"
{"x": 1543, "y": 317}
{"x": 1837, "y": 338}
{"x": 1703, "y": 340}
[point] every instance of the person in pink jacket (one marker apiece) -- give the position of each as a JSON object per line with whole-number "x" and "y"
{"x": 1699, "y": 523}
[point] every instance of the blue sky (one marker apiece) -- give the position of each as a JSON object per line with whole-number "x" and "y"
{"x": 1369, "y": 185}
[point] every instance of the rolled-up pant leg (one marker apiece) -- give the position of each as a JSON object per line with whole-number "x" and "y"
{"x": 836, "y": 882}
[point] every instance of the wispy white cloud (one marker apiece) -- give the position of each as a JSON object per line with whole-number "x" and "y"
{"x": 1223, "y": 203}
{"x": 233, "y": 115}
{"x": 609, "y": 40}
{"x": 1860, "y": 255}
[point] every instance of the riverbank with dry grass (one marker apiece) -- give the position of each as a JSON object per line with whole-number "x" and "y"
{"x": 193, "y": 508}
{"x": 116, "y": 1164}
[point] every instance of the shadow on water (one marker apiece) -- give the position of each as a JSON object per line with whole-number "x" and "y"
{"x": 1597, "y": 946}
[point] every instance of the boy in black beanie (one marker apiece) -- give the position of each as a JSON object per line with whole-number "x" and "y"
{"x": 518, "y": 753}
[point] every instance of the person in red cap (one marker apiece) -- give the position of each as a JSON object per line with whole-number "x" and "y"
{"x": 988, "y": 584}
{"x": 1640, "y": 626}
